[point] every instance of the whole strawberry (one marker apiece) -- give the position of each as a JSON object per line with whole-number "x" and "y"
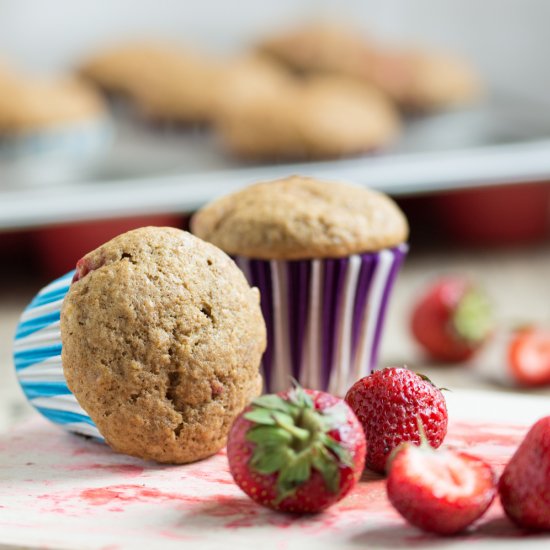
{"x": 389, "y": 403}
{"x": 524, "y": 486}
{"x": 452, "y": 320}
{"x": 299, "y": 451}
{"x": 439, "y": 491}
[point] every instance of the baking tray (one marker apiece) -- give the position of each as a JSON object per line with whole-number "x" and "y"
{"x": 152, "y": 169}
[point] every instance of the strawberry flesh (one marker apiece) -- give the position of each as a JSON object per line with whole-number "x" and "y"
{"x": 524, "y": 486}
{"x": 441, "y": 492}
{"x": 529, "y": 357}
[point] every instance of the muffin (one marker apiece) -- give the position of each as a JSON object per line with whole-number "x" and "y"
{"x": 321, "y": 47}
{"x": 324, "y": 256}
{"x": 119, "y": 69}
{"x": 50, "y": 128}
{"x": 417, "y": 80}
{"x": 165, "y": 81}
{"x": 266, "y": 114}
{"x": 425, "y": 80}
{"x": 157, "y": 349}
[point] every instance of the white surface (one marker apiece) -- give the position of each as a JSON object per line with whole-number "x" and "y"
{"x": 396, "y": 175}
{"x": 60, "y": 491}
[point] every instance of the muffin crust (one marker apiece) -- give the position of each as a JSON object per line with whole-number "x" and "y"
{"x": 162, "y": 340}
{"x": 300, "y": 218}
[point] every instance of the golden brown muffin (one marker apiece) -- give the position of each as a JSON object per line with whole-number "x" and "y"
{"x": 162, "y": 341}
{"x": 247, "y": 77}
{"x": 166, "y": 81}
{"x": 35, "y": 104}
{"x": 182, "y": 89}
{"x": 321, "y": 46}
{"x": 415, "y": 79}
{"x": 301, "y": 218}
{"x": 270, "y": 115}
{"x": 118, "y": 69}
{"x": 423, "y": 81}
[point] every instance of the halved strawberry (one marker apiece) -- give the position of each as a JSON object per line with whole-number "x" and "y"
{"x": 529, "y": 356}
{"x": 439, "y": 491}
{"x": 299, "y": 451}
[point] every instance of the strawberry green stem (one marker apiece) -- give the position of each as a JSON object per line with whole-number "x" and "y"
{"x": 299, "y": 433}
{"x": 291, "y": 438}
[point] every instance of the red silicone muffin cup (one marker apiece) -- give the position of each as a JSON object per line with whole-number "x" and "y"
{"x": 497, "y": 216}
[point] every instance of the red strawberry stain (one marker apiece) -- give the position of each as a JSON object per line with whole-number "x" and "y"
{"x": 473, "y": 433}
{"x": 224, "y": 507}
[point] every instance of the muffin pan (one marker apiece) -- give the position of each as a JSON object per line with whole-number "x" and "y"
{"x": 163, "y": 169}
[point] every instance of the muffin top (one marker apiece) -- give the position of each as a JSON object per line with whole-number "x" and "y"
{"x": 120, "y": 68}
{"x": 268, "y": 114}
{"x": 37, "y": 103}
{"x": 166, "y": 80}
{"x": 425, "y": 80}
{"x": 162, "y": 340}
{"x": 415, "y": 79}
{"x": 181, "y": 87}
{"x": 320, "y": 46}
{"x": 299, "y": 218}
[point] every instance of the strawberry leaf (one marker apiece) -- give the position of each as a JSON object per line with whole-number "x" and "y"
{"x": 260, "y": 416}
{"x": 273, "y": 402}
{"x": 326, "y": 465}
{"x": 343, "y": 454}
{"x": 269, "y": 462}
{"x": 425, "y": 378}
{"x": 295, "y": 472}
{"x": 334, "y": 416}
{"x": 265, "y": 435}
{"x": 300, "y": 398}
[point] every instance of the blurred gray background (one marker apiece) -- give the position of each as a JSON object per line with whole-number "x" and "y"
{"x": 507, "y": 39}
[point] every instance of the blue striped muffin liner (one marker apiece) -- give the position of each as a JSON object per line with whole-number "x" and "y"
{"x": 37, "y": 359}
{"x": 324, "y": 317}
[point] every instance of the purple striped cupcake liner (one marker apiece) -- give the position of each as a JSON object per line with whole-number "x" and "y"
{"x": 324, "y": 317}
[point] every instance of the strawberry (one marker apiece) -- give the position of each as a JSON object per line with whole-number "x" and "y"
{"x": 439, "y": 491}
{"x": 452, "y": 320}
{"x": 529, "y": 356}
{"x": 388, "y": 404}
{"x": 86, "y": 265}
{"x": 299, "y": 451}
{"x": 524, "y": 486}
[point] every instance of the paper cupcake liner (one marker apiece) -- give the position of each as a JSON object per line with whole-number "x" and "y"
{"x": 37, "y": 358}
{"x": 324, "y": 317}
{"x": 56, "y": 153}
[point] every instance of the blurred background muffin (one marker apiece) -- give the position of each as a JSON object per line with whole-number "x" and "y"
{"x": 166, "y": 81}
{"x": 415, "y": 79}
{"x": 265, "y": 114}
{"x": 50, "y": 128}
